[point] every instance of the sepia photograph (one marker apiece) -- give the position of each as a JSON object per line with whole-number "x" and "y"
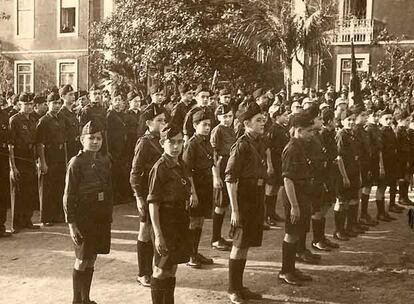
{"x": 206, "y": 151}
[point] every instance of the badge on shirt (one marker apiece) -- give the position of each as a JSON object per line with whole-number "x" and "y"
{"x": 101, "y": 197}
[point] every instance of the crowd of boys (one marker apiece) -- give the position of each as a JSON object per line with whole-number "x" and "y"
{"x": 244, "y": 152}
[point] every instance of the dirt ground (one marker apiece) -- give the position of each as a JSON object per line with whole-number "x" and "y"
{"x": 377, "y": 268}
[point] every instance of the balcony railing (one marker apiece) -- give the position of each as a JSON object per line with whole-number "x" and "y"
{"x": 361, "y": 31}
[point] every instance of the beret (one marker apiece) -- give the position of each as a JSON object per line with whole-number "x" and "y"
{"x": 258, "y": 93}
{"x": 155, "y": 89}
{"x": 170, "y": 130}
{"x": 81, "y": 93}
{"x": 323, "y": 106}
{"x": 24, "y": 97}
{"x": 300, "y": 120}
{"x": 152, "y": 111}
{"x": 277, "y": 110}
{"x": 131, "y": 95}
{"x": 39, "y": 99}
{"x": 92, "y": 127}
{"x": 251, "y": 110}
{"x": 312, "y": 111}
{"x": 184, "y": 88}
{"x": 65, "y": 89}
{"x": 200, "y": 116}
{"x": 349, "y": 113}
{"x": 401, "y": 114}
{"x": 201, "y": 88}
{"x": 223, "y": 109}
{"x": 224, "y": 91}
{"x": 52, "y": 97}
{"x": 54, "y": 89}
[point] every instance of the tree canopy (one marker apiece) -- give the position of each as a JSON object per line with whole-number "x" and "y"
{"x": 192, "y": 38}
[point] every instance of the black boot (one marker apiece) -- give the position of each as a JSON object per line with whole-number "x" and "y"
{"x": 169, "y": 291}
{"x": 87, "y": 281}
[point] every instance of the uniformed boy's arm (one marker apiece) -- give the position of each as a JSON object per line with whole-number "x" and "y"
{"x": 71, "y": 193}
{"x": 137, "y": 170}
{"x": 270, "y": 168}
{"x": 341, "y": 167}
{"x": 290, "y": 192}
{"x": 232, "y": 190}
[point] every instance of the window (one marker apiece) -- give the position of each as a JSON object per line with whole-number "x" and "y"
{"x": 68, "y": 17}
{"x": 25, "y": 18}
{"x": 67, "y": 72}
{"x": 344, "y": 64}
{"x": 355, "y": 8}
{"x": 23, "y": 76}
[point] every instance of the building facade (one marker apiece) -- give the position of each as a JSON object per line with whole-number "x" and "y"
{"x": 362, "y": 21}
{"x": 46, "y": 41}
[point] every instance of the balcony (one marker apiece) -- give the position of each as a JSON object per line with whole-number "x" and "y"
{"x": 361, "y": 31}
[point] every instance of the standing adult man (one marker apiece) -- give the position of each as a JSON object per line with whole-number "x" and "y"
{"x": 50, "y": 139}
{"x": 22, "y": 127}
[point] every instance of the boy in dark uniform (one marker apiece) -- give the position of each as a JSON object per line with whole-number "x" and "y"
{"x": 157, "y": 97}
{"x": 168, "y": 195}
{"x": 50, "y": 139}
{"x": 40, "y": 106}
{"x": 93, "y": 110}
{"x": 349, "y": 181}
{"x": 202, "y": 95}
{"x": 403, "y": 158}
{"x": 375, "y": 170}
{"x": 131, "y": 120}
{"x": 331, "y": 172}
{"x": 117, "y": 132}
{"x": 198, "y": 157}
{"x": 389, "y": 156}
{"x": 87, "y": 202}
{"x": 222, "y": 138}
{"x": 147, "y": 151}
{"x": 245, "y": 173}
{"x": 71, "y": 122}
{"x": 22, "y": 137}
{"x": 278, "y": 137}
{"x": 364, "y": 152}
{"x": 4, "y": 171}
{"x": 295, "y": 195}
{"x": 411, "y": 139}
{"x": 181, "y": 109}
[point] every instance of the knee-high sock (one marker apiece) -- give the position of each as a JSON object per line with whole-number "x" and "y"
{"x": 301, "y": 243}
{"x": 243, "y": 266}
{"x": 235, "y": 275}
{"x": 393, "y": 193}
{"x": 364, "y": 204}
{"x": 169, "y": 290}
{"x": 77, "y": 277}
{"x": 317, "y": 230}
{"x": 323, "y": 225}
{"x": 288, "y": 257}
{"x": 196, "y": 239}
{"x": 270, "y": 202}
{"x": 87, "y": 281}
{"x": 380, "y": 206}
{"x": 217, "y": 224}
{"x": 157, "y": 290}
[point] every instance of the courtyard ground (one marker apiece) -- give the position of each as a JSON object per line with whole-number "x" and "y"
{"x": 377, "y": 268}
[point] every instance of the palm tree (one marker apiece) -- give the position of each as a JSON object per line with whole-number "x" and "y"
{"x": 276, "y": 31}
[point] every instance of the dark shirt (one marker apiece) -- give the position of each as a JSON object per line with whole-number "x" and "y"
{"x": 403, "y": 144}
{"x": 169, "y": 184}
{"x": 22, "y": 134}
{"x": 375, "y": 140}
{"x": 317, "y": 158}
{"x": 179, "y": 112}
{"x": 188, "y": 126}
{"x": 131, "y": 119}
{"x": 90, "y": 112}
{"x": 363, "y": 143}
{"x": 247, "y": 159}
{"x": 147, "y": 151}
{"x": 295, "y": 163}
{"x": 198, "y": 154}
{"x": 50, "y": 132}
{"x": 348, "y": 150}
{"x": 222, "y": 138}
{"x": 329, "y": 145}
{"x": 72, "y": 128}
{"x": 117, "y": 131}
{"x": 278, "y": 137}
{"x": 86, "y": 179}
{"x": 389, "y": 146}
